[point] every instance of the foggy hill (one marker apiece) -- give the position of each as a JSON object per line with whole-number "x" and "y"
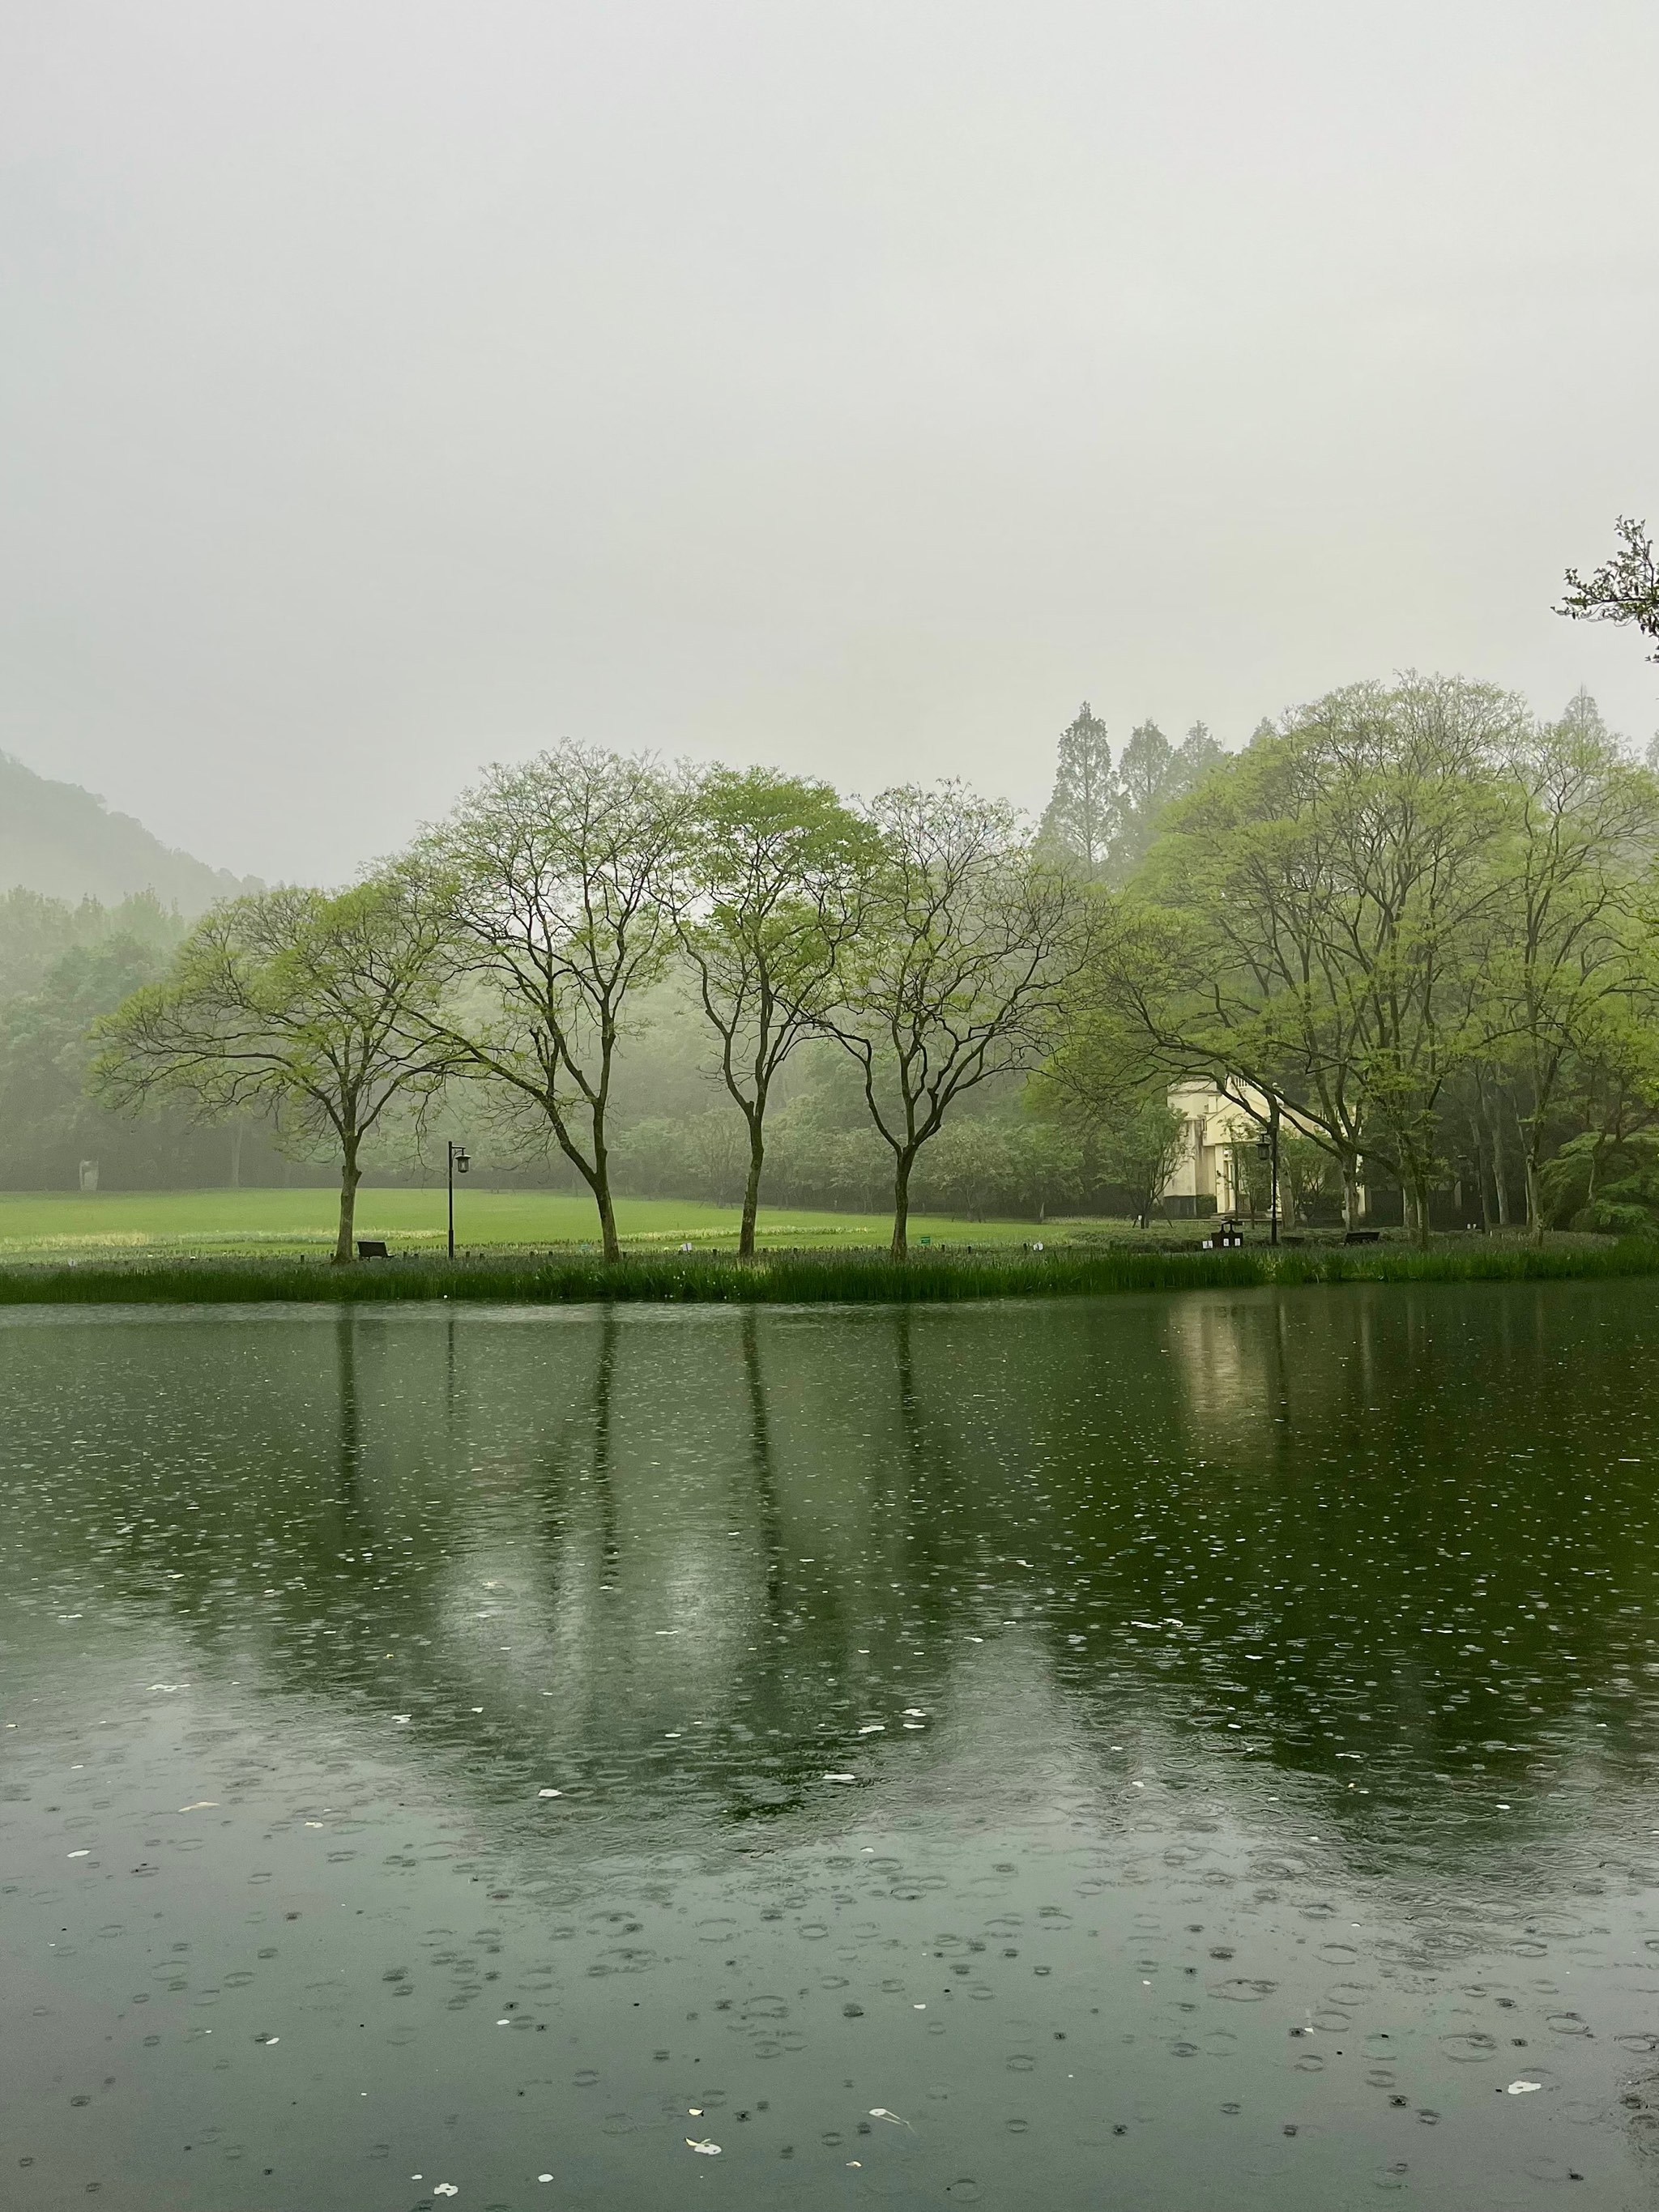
{"x": 64, "y": 841}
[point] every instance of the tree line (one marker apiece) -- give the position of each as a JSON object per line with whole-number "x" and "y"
{"x": 61, "y": 966}
{"x": 1411, "y": 925}
{"x": 1410, "y": 929}
{"x": 1415, "y": 930}
{"x": 927, "y": 936}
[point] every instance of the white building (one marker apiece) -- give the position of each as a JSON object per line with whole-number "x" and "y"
{"x": 1205, "y": 1179}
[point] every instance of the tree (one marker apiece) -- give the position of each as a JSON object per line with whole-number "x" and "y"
{"x": 1082, "y": 817}
{"x": 1624, "y": 589}
{"x": 1144, "y": 778}
{"x": 36, "y": 931}
{"x": 1152, "y": 776}
{"x": 1569, "y": 955}
{"x": 62, "y": 967}
{"x": 822, "y": 1157}
{"x": 551, "y": 878}
{"x": 1103, "y": 1080}
{"x": 767, "y": 896}
{"x": 967, "y": 941}
{"x": 1139, "y": 1146}
{"x": 295, "y": 1003}
{"x": 1305, "y": 1172}
{"x": 48, "y": 1124}
{"x": 1195, "y": 756}
{"x": 684, "y": 1156}
{"x": 1313, "y": 923}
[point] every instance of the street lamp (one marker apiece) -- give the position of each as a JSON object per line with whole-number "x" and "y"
{"x": 459, "y": 1161}
{"x": 1267, "y": 1147}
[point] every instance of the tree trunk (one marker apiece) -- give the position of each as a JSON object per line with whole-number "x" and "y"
{"x": 1500, "y": 1187}
{"x": 1417, "y": 1203}
{"x": 1535, "y": 1212}
{"x": 751, "y": 1189}
{"x": 236, "y": 1158}
{"x": 1351, "y": 1192}
{"x": 900, "y": 1247}
{"x": 350, "y": 1176}
{"x": 1525, "y": 1175}
{"x": 608, "y": 1238}
{"x": 598, "y": 1182}
{"x": 1482, "y": 1170}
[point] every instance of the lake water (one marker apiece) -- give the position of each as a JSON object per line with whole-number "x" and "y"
{"x": 1155, "y": 1753}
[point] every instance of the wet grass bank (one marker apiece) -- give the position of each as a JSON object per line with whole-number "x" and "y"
{"x": 802, "y": 1278}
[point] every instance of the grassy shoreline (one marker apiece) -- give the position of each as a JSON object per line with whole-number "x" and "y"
{"x": 800, "y": 1278}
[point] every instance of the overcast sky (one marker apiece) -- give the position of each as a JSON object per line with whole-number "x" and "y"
{"x": 389, "y": 387}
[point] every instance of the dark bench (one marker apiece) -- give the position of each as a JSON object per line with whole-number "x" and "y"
{"x": 1363, "y": 1236}
{"x": 372, "y": 1248}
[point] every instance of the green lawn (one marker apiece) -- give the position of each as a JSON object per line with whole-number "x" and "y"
{"x": 51, "y": 1224}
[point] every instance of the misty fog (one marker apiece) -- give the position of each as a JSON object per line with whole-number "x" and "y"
{"x": 390, "y": 388}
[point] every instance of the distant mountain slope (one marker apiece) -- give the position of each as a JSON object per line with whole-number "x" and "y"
{"x": 61, "y": 839}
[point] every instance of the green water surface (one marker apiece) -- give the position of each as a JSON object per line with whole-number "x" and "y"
{"x": 1161, "y": 1752}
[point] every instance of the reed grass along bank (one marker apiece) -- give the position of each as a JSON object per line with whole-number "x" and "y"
{"x": 797, "y": 1278}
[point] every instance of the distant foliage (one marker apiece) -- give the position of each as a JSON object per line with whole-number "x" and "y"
{"x": 62, "y": 967}
{"x": 1411, "y": 924}
{"x": 1102, "y": 817}
{"x": 36, "y": 931}
{"x": 1420, "y": 923}
{"x": 1083, "y": 815}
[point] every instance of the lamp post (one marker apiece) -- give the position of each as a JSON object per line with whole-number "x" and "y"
{"x": 459, "y": 1161}
{"x": 1267, "y": 1148}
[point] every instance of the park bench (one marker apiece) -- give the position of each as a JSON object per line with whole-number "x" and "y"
{"x": 372, "y": 1248}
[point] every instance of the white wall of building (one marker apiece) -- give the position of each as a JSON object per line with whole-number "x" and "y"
{"x": 1204, "y": 1180}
